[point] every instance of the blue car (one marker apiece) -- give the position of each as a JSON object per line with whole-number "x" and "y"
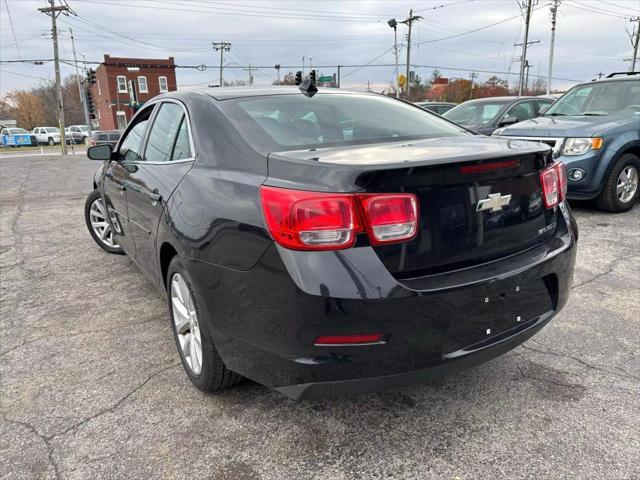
{"x": 594, "y": 129}
{"x": 15, "y": 137}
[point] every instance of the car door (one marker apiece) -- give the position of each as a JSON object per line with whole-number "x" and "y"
{"x": 116, "y": 178}
{"x": 168, "y": 156}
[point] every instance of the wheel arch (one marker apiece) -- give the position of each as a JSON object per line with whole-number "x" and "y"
{"x": 167, "y": 252}
{"x": 630, "y": 147}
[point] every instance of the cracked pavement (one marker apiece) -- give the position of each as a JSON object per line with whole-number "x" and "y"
{"x": 91, "y": 387}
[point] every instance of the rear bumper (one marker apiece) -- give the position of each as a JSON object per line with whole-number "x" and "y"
{"x": 264, "y": 321}
{"x": 466, "y": 359}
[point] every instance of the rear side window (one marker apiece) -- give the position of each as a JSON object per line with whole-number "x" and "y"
{"x": 164, "y": 132}
{"x": 182, "y": 148}
{"x": 290, "y": 122}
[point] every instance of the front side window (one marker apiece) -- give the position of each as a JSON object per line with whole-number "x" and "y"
{"x": 122, "y": 84}
{"x": 164, "y": 132}
{"x": 604, "y": 98}
{"x": 521, "y": 111}
{"x": 288, "y": 122}
{"x": 142, "y": 85}
{"x": 162, "y": 83}
{"x": 131, "y": 146}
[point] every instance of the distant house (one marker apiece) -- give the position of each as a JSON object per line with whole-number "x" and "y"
{"x": 123, "y": 84}
{"x": 8, "y": 123}
{"x": 438, "y": 87}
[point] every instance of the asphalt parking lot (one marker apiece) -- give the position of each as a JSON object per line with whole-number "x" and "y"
{"x": 91, "y": 385}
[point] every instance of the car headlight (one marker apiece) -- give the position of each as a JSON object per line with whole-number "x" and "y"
{"x": 580, "y": 146}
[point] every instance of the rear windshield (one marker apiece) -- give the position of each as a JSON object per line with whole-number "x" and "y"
{"x": 293, "y": 122}
{"x": 475, "y": 113}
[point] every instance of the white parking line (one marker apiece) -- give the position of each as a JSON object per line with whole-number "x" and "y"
{"x": 45, "y": 154}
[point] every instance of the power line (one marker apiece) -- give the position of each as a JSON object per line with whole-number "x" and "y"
{"x": 22, "y": 74}
{"x": 478, "y": 28}
{"x": 617, "y": 5}
{"x": 229, "y": 11}
{"x": 12, "y": 29}
{"x": 592, "y": 9}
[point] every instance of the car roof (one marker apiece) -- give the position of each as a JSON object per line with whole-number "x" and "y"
{"x": 225, "y": 93}
{"x": 617, "y": 78}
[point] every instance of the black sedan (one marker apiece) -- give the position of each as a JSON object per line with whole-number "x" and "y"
{"x": 484, "y": 115}
{"x": 333, "y": 244}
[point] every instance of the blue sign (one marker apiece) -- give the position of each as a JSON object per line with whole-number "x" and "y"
{"x": 18, "y": 139}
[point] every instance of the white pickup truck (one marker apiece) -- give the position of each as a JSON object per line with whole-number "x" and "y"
{"x": 50, "y": 135}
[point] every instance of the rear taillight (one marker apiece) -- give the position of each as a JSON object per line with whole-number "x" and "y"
{"x": 553, "y": 180}
{"x": 390, "y": 218}
{"x": 302, "y": 220}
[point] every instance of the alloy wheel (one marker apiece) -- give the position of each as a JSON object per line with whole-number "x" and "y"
{"x": 185, "y": 320}
{"x": 100, "y": 225}
{"x": 627, "y": 184}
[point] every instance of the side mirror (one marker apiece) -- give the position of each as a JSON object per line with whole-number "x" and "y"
{"x": 100, "y": 152}
{"x": 508, "y": 120}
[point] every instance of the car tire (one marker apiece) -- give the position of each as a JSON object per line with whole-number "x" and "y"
{"x": 51, "y": 142}
{"x": 190, "y": 320}
{"x": 621, "y": 189}
{"x": 94, "y": 213}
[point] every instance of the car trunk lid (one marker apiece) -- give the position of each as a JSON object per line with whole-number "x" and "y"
{"x": 479, "y": 199}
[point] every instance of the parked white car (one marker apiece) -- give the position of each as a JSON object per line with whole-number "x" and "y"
{"x": 50, "y": 135}
{"x": 76, "y": 133}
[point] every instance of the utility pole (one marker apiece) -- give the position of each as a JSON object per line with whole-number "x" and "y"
{"x": 223, "y": 47}
{"x": 600, "y": 75}
{"x": 83, "y": 99}
{"x": 409, "y": 21}
{"x": 554, "y": 16}
{"x": 635, "y": 40}
{"x": 525, "y": 44}
{"x": 251, "y": 69}
{"x": 526, "y": 76}
{"x": 338, "y": 76}
{"x": 473, "y": 76}
{"x": 53, "y": 12}
{"x": 394, "y": 24}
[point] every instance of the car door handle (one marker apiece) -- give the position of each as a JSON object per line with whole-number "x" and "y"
{"x": 155, "y": 197}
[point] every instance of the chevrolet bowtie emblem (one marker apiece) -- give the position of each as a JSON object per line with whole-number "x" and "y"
{"x": 494, "y": 202}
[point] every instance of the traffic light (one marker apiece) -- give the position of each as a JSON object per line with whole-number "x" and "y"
{"x": 312, "y": 77}
{"x": 90, "y": 106}
{"x": 91, "y": 76}
{"x": 298, "y": 77}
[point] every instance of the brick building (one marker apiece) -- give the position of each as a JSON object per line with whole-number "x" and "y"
{"x": 123, "y": 84}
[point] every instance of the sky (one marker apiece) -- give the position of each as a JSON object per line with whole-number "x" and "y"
{"x": 591, "y": 38}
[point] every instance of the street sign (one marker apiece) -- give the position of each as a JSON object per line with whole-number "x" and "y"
{"x": 325, "y": 79}
{"x": 402, "y": 80}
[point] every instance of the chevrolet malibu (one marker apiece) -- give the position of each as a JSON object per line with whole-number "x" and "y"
{"x": 336, "y": 243}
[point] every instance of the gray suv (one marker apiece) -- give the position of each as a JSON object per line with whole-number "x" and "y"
{"x": 594, "y": 129}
